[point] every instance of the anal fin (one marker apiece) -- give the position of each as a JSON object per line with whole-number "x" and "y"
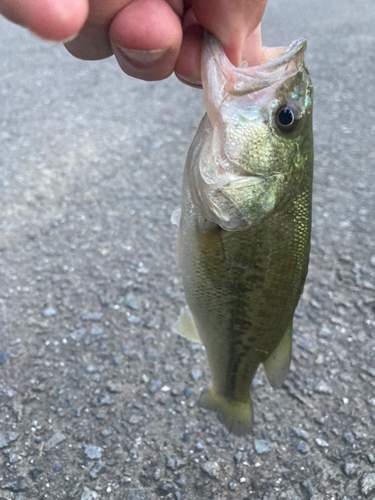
{"x": 185, "y": 326}
{"x": 277, "y": 364}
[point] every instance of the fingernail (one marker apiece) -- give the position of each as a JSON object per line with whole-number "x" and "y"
{"x": 191, "y": 82}
{"x": 71, "y": 38}
{"x": 142, "y": 57}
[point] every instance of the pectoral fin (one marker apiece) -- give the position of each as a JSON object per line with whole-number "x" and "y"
{"x": 185, "y": 326}
{"x": 176, "y": 220}
{"x": 176, "y": 217}
{"x": 277, "y": 364}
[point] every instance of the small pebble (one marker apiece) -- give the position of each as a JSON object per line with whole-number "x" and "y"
{"x": 57, "y": 467}
{"x": 3, "y": 441}
{"x": 3, "y": 357}
{"x": 199, "y": 447}
{"x": 211, "y": 468}
{"x": 113, "y": 388}
{"x": 171, "y": 463}
{"x": 188, "y": 393}
{"x": 92, "y": 316}
{"x": 185, "y": 436}
{"x": 155, "y": 386}
{"x": 350, "y": 469}
{"x": 371, "y": 458}
{"x": 324, "y": 332}
{"x": 78, "y": 334}
{"x": 97, "y": 467}
{"x": 181, "y": 480}
{"x": 165, "y": 487}
{"x": 302, "y": 434}
{"x": 323, "y": 388}
{"x": 254, "y": 384}
{"x": 131, "y": 301}
{"x": 262, "y": 446}
{"x": 12, "y": 436}
{"x": 368, "y": 484}
{"x": 320, "y": 442}
{"x": 157, "y": 474}
{"x": 54, "y": 441}
{"x": 88, "y": 494}
{"x": 93, "y": 452}
{"x": 106, "y": 400}
{"x": 151, "y": 353}
{"x": 134, "y": 320}
{"x": 34, "y": 473}
{"x": 302, "y": 448}
{"x": 14, "y": 458}
{"x": 96, "y": 330}
{"x": 307, "y": 490}
{"x": 48, "y": 312}
{"x": 181, "y": 463}
{"x": 19, "y": 484}
{"x": 134, "y": 419}
{"x": 349, "y": 438}
{"x": 195, "y": 374}
{"x": 232, "y": 486}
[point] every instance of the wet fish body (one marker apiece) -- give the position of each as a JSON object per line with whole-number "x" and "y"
{"x": 244, "y": 234}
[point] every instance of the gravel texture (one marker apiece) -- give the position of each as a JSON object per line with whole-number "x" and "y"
{"x": 97, "y": 395}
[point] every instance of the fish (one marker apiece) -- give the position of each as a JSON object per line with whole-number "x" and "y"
{"x": 245, "y": 222}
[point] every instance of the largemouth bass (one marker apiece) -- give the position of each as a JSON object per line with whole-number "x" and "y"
{"x": 244, "y": 233}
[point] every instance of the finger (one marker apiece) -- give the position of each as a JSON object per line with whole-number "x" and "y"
{"x": 50, "y": 19}
{"x": 188, "y": 64}
{"x": 232, "y": 23}
{"x": 253, "y": 52}
{"x": 93, "y": 40}
{"x": 146, "y": 38}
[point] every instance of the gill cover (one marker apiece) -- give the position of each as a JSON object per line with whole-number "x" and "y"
{"x": 235, "y": 173}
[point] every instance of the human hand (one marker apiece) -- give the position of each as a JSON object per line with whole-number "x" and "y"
{"x": 150, "y": 38}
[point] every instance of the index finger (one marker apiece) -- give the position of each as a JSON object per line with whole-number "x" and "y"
{"x": 233, "y": 23}
{"x": 49, "y": 19}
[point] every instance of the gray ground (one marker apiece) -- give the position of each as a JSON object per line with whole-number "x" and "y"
{"x": 97, "y": 396}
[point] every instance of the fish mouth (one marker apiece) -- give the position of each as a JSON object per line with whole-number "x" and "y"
{"x": 282, "y": 63}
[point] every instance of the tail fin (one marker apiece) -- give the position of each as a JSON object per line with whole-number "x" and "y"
{"x": 237, "y": 415}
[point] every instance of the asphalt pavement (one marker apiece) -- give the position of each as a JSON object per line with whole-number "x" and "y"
{"x": 97, "y": 394}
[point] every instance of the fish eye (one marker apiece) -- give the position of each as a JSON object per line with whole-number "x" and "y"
{"x": 287, "y": 118}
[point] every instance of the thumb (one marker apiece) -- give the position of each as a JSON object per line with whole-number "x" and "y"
{"x": 233, "y": 23}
